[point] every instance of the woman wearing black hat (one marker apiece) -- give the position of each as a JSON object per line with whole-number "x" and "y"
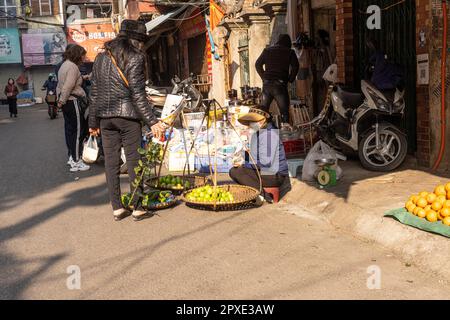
{"x": 118, "y": 106}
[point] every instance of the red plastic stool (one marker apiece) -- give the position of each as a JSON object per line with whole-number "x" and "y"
{"x": 275, "y": 192}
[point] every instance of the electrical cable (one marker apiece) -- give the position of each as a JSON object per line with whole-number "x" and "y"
{"x": 191, "y": 17}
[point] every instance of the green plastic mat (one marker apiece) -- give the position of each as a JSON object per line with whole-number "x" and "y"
{"x": 409, "y": 219}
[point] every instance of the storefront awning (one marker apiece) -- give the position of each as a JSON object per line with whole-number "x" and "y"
{"x": 155, "y": 23}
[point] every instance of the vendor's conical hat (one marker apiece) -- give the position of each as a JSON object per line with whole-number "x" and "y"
{"x": 253, "y": 115}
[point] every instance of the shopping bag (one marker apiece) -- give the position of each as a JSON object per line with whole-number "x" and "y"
{"x": 320, "y": 151}
{"x": 90, "y": 150}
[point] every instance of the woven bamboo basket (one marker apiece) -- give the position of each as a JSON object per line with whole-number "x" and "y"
{"x": 195, "y": 181}
{"x": 162, "y": 206}
{"x": 243, "y": 199}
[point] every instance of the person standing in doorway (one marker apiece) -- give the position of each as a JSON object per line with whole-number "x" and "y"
{"x": 277, "y": 66}
{"x": 69, "y": 93}
{"x": 11, "y": 93}
{"x": 118, "y": 105}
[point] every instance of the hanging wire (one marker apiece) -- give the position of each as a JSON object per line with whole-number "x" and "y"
{"x": 191, "y": 17}
{"x": 385, "y": 8}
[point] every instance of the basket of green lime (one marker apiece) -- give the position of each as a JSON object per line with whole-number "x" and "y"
{"x": 177, "y": 183}
{"x": 158, "y": 200}
{"x": 221, "y": 198}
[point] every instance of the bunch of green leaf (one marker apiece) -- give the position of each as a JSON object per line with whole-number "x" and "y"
{"x": 150, "y": 158}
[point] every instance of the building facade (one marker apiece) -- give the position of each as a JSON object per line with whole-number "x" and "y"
{"x": 411, "y": 34}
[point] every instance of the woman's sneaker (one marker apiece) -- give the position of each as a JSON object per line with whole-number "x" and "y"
{"x": 79, "y": 166}
{"x": 70, "y": 162}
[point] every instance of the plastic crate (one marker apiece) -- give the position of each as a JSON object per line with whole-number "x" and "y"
{"x": 294, "y": 146}
{"x": 224, "y": 164}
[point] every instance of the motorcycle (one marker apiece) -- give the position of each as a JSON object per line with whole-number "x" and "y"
{"x": 367, "y": 123}
{"x": 52, "y": 104}
{"x": 157, "y": 95}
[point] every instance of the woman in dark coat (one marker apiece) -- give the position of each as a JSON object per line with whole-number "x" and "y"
{"x": 11, "y": 93}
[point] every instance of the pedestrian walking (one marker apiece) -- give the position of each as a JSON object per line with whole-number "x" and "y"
{"x": 118, "y": 104}
{"x": 70, "y": 98}
{"x": 11, "y": 93}
{"x": 277, "y": 66}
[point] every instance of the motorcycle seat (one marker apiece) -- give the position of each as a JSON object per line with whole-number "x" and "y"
{"x": 350, "y": 99}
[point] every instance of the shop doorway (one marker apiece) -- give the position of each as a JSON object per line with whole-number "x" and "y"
{"x": 197, "y": 58}
{"x": 397, "y": 38}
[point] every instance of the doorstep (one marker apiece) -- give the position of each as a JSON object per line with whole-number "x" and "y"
{"x": 358, "y": 203}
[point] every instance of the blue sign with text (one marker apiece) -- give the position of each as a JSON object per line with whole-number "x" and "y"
{"x": 10, "y": 46}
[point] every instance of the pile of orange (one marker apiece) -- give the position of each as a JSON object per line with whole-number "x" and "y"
{"x": 433, "y": 206}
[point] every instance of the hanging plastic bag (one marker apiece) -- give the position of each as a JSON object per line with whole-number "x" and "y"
{"x": 90, "y": 150}
{"x": 320, "y": 151}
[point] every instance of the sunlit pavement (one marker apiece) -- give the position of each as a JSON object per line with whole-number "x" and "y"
{"x": 58, "y": 240}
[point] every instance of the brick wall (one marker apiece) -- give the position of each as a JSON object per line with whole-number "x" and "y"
{"x": 344, "y": 40}
{"x": 423, "y": 22}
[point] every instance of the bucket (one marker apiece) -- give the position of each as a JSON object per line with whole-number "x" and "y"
{"x": 293, "y": 166}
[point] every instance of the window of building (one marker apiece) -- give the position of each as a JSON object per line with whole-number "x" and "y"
{"x": 84, "y": 11}
{"x": 8, "y": 12}
{"x": 41, "y": 7}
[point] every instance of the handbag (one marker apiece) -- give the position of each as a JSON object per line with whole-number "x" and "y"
{"x": 83, "y": 104}
{"x": 90, "y": 150}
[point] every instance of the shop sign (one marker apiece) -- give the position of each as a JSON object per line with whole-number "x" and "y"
{"x": 43, "y": 47}
{"x": 92, "y": 37}
{"x": 193, "y": 27}
{"x": 10, "y": 46}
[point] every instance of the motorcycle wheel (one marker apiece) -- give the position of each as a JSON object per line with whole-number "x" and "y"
{"x": 389, "y": 157}
{"x": 52, "y": 113}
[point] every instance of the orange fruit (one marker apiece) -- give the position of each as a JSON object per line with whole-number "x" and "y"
{"x": 432, "y": 216}
{"x": 411, "y": 207}
{"x": 446, "y": 221}
{"x": 427, "y": 208}
{"x": 440, "y": 217}
{"x": 447, "y": 204}
{"x": 440, "y": 191}
{"x": 423, "y": 194}
{"x": 445, "y": 212}
{"x": 431, "y": 197}
{"x": 447, "y": 187}
{"x": 414, "y": 199}
{"x": 421, "y": 213}
{"x": 448, "y": 195}
{"x": 422, "y": 202}
{"x": 416, "y": 210}
{"x": 441, "y": 199}
{"x": 436, "y": 206}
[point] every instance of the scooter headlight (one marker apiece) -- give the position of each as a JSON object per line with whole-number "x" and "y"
{"x": 381, "y": 104}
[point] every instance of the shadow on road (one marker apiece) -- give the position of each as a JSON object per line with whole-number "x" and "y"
{"x": 14, "y": 281}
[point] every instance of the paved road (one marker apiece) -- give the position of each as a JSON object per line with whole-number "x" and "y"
{"x": 49, "y": 221}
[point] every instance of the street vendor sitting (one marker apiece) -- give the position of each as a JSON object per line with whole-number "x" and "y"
{"x": 267, "y": 156}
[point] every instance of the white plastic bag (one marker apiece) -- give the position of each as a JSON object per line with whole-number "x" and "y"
{"x": 90, "y": 150}
{"x": 320, "y": 151}
{"x": 330, "y": 74}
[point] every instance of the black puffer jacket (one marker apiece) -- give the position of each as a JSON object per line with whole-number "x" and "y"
{"x": 110, "y": 97}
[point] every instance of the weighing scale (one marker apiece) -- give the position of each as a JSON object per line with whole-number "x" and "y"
{"x": 326, "y": 173}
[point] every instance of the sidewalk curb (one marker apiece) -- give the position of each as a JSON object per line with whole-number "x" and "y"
{"x": 413, "y": 246}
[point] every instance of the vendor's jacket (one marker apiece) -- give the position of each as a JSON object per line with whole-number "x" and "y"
{"x": 111, "y": 97}
{"x": 268, "y": 152}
